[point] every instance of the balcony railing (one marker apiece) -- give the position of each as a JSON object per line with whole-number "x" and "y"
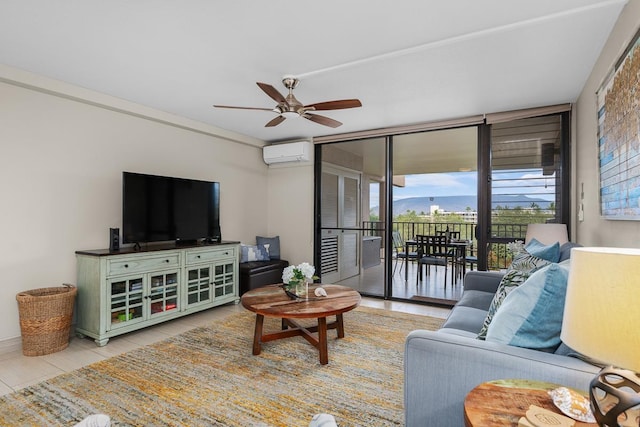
{"x": 498, "y": 257}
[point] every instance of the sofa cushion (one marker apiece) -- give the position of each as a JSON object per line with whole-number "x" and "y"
{"x": 458, "y": 332}
{"x": 565, "y": 250}
{"x": 272, "y": 244}
{"x": 256, "y": 267}
{"x": 520, "y": 269}
{"x": 253, "y": 253}
{"x": 531, "y": 315}
{"x": 549, "y": 252}
{"x": 565, "y": 350}
{"x": 476, "y": 299}
{"x": 463, "y": 318}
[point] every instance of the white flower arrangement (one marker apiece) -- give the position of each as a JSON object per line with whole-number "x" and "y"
{"x": 296, "y": 274}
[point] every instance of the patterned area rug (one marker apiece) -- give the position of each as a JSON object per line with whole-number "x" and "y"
{"x": 208, "y": 377}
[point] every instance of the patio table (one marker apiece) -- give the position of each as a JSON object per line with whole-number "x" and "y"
{"x": 460, "y": 247}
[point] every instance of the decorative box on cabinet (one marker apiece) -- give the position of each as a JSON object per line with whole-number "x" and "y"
{"x": 119, "y": 292}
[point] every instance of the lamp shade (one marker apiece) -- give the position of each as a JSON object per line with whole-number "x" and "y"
{"x": 602, "y": 306}
{"x": 547, "y": 234}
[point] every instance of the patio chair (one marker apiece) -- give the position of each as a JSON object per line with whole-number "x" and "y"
{"x": 452, "y": 235}
{"x": 452, "y": 252}
{"x": 472, "y": 259}
{"x": 399, "y": 250}
{"x": 430, "y": 252}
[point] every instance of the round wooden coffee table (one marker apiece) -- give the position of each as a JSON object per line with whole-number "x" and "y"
{"x": 272, "y": 301}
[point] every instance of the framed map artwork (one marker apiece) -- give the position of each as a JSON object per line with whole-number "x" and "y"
{"x": 619, "y": 137}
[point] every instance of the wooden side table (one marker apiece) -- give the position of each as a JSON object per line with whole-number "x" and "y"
{"x": 502, "y": 402}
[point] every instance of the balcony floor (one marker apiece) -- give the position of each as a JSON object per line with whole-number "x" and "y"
{"x": 431, "y": 290}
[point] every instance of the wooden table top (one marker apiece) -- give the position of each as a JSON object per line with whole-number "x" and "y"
{"x": 272, "y": 301}
{"x": 502, "y": 402}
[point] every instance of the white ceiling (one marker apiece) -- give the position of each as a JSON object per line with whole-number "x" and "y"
{"x": 408, "y": 61}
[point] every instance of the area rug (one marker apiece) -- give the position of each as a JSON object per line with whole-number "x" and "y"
{"x": 208, "y": 377}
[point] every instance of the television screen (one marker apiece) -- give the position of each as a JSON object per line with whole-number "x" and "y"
{"x": 160, "y": 208}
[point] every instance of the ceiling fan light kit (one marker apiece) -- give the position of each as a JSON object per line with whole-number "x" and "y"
{"x": 289, "y": 106}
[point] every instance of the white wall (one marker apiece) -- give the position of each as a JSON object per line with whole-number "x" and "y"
{"x": 290, "y": 210}
{"x": 61, "y": 164}
{"x": 595, "y": 231}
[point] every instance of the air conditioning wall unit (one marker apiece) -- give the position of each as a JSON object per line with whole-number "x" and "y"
{"x": 299, "y": 151}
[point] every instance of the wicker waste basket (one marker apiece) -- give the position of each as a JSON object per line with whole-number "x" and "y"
{"x": 45, "y": 319}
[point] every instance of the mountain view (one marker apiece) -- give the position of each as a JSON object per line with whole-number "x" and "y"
{"x": 459, "y": 203}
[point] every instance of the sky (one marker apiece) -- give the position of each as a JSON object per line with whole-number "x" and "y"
{"x": 438, "y": 184}
{"x": 466, "y": 184}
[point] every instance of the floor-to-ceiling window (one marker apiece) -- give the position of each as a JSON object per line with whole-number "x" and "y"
{"x": 529, "y": 180}
{"x": 479, "y": 184}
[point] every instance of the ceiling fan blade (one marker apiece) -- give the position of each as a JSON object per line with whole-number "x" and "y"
{"x": 272, "y": 92}
{"x": 322, "y": 120}
{"x": 335, "y": 105}
{"x": 275, "y": 122}
{"x": 243, "y": 108}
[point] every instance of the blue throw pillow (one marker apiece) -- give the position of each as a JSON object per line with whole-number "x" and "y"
{"x": 250, "y": 253}
{"x": 272, "y": 244}
{"x": 523, "y": 265}
{"x": 549, "y": 252}
{"x": 531, "y": 315}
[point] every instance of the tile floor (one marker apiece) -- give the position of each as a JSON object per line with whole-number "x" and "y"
{"x": 18, "y": 371}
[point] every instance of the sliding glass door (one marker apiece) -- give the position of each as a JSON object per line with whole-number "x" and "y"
{"x": 352, "y": 234}
{"x": 369, "y": 203}
{"x": 340, "y": 234}
{"x": 434, "y": 193}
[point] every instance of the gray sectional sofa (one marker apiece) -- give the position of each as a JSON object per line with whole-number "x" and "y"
{"x": 441, "y": 367}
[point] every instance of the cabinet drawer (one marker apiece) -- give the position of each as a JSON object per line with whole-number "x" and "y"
{"x": 134, "y": 265}
{"x": 196, "y": 257}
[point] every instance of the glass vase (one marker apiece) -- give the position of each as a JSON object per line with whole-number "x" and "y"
{"x": 302, "y": 289}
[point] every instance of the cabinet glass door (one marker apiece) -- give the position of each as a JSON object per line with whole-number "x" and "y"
{"x": 126, "y": 300}
{"x": 198, "y": 285}
{"x": 163, "y": 293}
{"x": 223, "y": 279}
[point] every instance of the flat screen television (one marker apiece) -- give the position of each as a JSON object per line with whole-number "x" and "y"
{"x": 160, "y": 208}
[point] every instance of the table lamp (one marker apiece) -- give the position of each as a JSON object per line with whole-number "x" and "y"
{"x": 602, "y": 321}
{"x": 547, "y": 234}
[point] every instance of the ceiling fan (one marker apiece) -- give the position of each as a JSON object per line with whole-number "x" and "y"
{"x": 289, "y": 106}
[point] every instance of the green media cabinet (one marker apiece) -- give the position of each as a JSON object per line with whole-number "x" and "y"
{"x": 122, "y": 291}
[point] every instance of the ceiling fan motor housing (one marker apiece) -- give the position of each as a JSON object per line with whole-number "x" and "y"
{"x": 290, "y": 82}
